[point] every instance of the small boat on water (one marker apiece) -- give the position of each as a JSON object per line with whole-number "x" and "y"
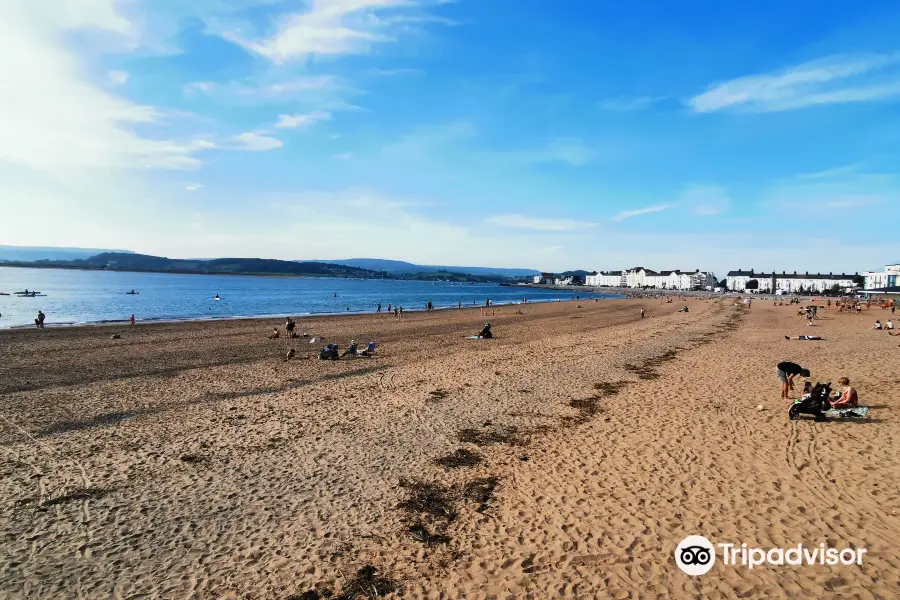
{"x": 26, "y": 292}
{"x": 3, "y": 294}
{"x": 132, "y": 293}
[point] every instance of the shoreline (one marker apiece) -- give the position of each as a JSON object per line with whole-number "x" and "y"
{"x": 295, "y": 315}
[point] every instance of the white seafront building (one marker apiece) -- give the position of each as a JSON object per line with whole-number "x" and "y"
{"x": 888, "y": 278}
{"x": 641, "y": 277}
{"x": 787, "y": 283}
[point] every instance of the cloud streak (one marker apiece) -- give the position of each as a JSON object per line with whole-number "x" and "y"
{"x": 334, "y": 27}
{"x": 567, "y": 150}
{"x": 628, "y": 214}
{"x": 302, "y": 120}
{"x": 256, "y": 141}
{"x": 832, "y": 80}
{"x": 627, "y": 104}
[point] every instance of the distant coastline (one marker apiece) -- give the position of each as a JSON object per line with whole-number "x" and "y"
{"x": 250, "y": 267}
{"x": 175, "y": 272}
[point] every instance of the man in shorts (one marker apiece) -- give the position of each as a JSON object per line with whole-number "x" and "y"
{"x": 786, "y": 373}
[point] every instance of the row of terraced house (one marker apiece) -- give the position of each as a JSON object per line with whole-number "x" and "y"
{"x": 641, "y": 277}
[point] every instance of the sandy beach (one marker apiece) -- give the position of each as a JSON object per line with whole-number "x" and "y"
{"x": 566, "y": 458}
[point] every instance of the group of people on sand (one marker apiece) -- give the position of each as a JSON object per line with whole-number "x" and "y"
{"x": 787, "y": 371}
{"x": 333, "y": 352}
{"x": 889, "y": 326}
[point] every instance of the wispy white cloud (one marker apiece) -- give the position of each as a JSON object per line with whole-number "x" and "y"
{"x": 117, "y": 77}
{"x": 831, "y": 80}
{"x": 628, "y": 214}
{"x": 629, "y": 104}
{"x": 330, "y": 27}
{"x": 255, "y": 141}
{"x": 425, "y": 138}
{"x": 849, "y": 191}
{"x": 193, "y": 187}
{"x": 201, "y": 87}
{"x": 705, "y": 200}
{"x": 395, "y": 72}
{"x": 516, "y": 221}
{"x": 842, "y": 202}
{"x": 572, "y": 151}
{"x": 830, "y": 173}
{"x": 302, "y": 120}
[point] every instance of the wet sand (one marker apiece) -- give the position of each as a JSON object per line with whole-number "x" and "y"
{"x": 191, "y": 461}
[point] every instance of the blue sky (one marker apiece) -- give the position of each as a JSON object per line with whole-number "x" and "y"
{"x": 526, "y": 133}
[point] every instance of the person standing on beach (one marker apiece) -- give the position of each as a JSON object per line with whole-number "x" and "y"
{"x": 786, "y": 372}
{"x": 401, "y": 312}
{"x": 39, "y": 322}
{"x": 642, "y": 313}
{"x": 131, "y": 320}
{"x": 379, "y": 307}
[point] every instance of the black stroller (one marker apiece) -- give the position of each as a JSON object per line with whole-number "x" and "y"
{"x": 815, "y": 403}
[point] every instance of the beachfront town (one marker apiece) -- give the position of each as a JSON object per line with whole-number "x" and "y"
{"x": 751, "y": 281}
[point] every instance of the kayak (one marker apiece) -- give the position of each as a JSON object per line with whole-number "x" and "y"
{"x": 26, "y": 293}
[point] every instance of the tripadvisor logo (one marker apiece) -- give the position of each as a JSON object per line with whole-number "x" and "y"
{"x": 696, "y": 555}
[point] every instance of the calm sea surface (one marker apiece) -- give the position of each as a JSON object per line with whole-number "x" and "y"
{"x": 75, "y": 297}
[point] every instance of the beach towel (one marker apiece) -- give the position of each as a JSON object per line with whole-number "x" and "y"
{"x": 474, "y": 337}
{"x": 860, "y": 412}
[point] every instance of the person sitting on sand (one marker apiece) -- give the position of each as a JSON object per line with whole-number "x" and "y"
{"x": 329, "y": 352}
{"x": 849, "y": 397}
{"x": 684, "y": 310}
{"x": 786, "y": 372}
{"x": 889, "y": 325}
{"x": 274, "y": 335}
{"x": 804, "y": 337}
{"x": 486, "y": 333}
{"x": 351, "y": 349}
{"x": 369, "y": 350}
{"x": 878, "y": 326}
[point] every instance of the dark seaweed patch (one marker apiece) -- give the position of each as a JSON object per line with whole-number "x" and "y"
{"x": 460, "y": 458}
{"x": 430, "y": 499}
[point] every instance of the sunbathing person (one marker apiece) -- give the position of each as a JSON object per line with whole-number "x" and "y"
{"x": 804, "y": 337}
{"x": 351, "y": 349}
{"x": 274, "y": 335}
{"x": 849, "y": 398}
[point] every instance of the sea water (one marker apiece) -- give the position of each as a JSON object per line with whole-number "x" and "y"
{"x": 77, "y": 297}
